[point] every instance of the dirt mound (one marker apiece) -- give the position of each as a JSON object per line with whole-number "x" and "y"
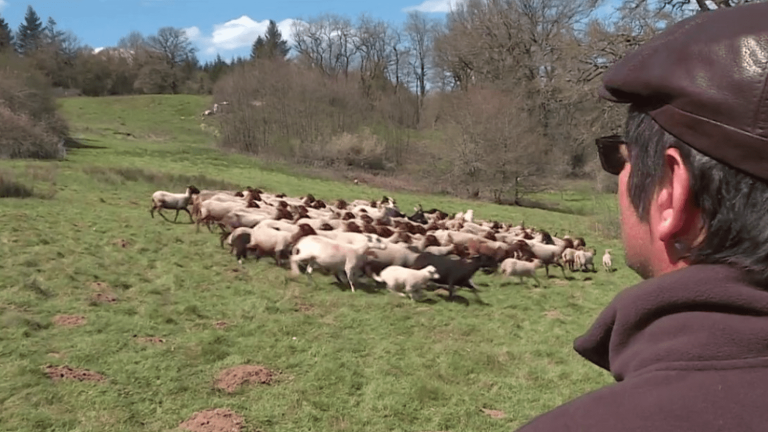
{"x": 494, "y": 413}
{"x": 214, "y": 420}
{"x": 103, "y": 298}
{"x": 220, "y": 324}
{"x": 104, "y": 293}
{"x": 69, "y": 320}
{"x": 123, "y": 243}
{"x": 57, "y": 373}
{"x": 303, "y": 307}
{"x": 155, "y": 340}
{"x": 232, "y": 378}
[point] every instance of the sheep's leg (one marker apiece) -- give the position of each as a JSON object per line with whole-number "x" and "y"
{"x": 295, "y": 266}
{"x": 190, "y": 215}
{"x": 152, "y": 211}
{"x": 349, "y": 268}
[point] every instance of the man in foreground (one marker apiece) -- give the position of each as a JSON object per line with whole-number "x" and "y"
{"x": 688, "y": 346}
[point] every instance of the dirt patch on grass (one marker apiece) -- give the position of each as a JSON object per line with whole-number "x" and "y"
{"x": 123, "y": 243}
{"x": 303, "y": 307}
{"x": 104, "y": 293}
{"x": 57, "y": 373}
{"x": 220, "y": 324}
{"x": 213, "y": 420}
{"x": 230, "y": 379}
{"x": 57, "y": 354}
{"x": 69, "y": 320}
{"x": 553, "y": 314}
{"x": 149, "y": 339}
{"x": 495, "y": 413}
{"x": 103, "y": 298}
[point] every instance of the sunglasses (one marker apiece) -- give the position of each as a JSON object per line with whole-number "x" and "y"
{"x": 613, "y": 153}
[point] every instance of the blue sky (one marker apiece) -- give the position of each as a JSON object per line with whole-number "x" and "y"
{"x": 227, "y": 27}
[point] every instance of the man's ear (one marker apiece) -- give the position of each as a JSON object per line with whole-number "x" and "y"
{"x": 671, "y": 202}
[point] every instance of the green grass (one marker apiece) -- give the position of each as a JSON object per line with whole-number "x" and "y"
{"x": 359, "y": 361}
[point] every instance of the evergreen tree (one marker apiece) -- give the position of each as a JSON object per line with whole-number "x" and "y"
{"x": 51, "y": 34}
{"x": 272, "y": 45}
{"x": 6, "y": 36}
{"x": 30, "y": 34}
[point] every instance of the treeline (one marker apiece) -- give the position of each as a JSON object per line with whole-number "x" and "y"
{"x": 494, "y": 100}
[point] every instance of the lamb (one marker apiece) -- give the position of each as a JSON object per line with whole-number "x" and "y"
{"x": 396, "y": 277}
{"x": 607, "y": 263}
{"x": 331, "y": 255}
{"x": 172, "y": 201}
{"x": 569, "y": 258}
{"x": 514, "y": 267}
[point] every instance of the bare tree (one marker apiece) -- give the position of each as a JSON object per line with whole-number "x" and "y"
{"x": 420, "y": 32}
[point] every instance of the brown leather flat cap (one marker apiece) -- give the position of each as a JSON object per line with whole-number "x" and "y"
{"x": 704, "y": 81}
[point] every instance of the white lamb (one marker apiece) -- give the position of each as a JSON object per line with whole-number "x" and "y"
{"x": 607, "y": 263}
{"x": 513, "y": 267}
{"x": 397, "y": 277}
{"x": 172, "y": 201}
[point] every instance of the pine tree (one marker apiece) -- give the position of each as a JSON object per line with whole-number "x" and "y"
{"x": 30, "y": 34}
{"x": 6, "y": 36}
{"x": 272, "y": 45}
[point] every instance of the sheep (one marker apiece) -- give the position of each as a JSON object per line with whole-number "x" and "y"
{"x": 268, "y": 241}
{"x": 548, "y": 254}
{"x": 584, "y": 259}
{"x": 454, "y": 271}
{"x": 512, "y": 267}
{"x": 172, "y": 201}
{"x": 331, "y": 255}
{"x": 607, "y": 263}
{"x": 396, "y": 277}
{"x": 569, "y": 258}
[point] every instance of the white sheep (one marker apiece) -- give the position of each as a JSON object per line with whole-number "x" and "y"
{"x": 513, "y": 267}
{"x": 584, "y": 259}
{"x": 331, "y": 255}
{"x": 397, "y": 277}
{"x": 172, "y": 201}
{"x": 607, "y": 263}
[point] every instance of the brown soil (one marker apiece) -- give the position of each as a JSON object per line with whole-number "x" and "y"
{"x": 214, "y": 420}
{"x": 148, "y": 339}
{"x": 123, "y": 243}
{"x": 220, "y": 324}
{"x": 232, "y": 378}
{"x": 495, "y": 413}
{"x": 65, "y": 372}
{"x": 69, "y": 320}
{"x": 104, "y": 294}
{"x": 301, "y": 307}
{"x": 103, "y": 298}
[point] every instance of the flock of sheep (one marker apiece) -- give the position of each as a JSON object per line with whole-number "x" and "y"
{"x": 375, "y": 239}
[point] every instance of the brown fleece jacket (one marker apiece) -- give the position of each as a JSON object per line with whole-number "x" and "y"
{"x": 689, "y": 352}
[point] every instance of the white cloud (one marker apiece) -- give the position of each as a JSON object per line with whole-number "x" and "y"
{"x": 235, "y": 34}
{"x": 96, "y": 50}
{"x": 3, "y": 4}
{"x": 430, "y": 6}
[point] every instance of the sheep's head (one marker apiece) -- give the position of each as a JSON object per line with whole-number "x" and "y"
{"x": 341, "y": 204}
{"x": 432, "y": 272}
{"x": 369, "y": 229}
{"x": 352, "y": 227}
{"x": 348, "y": 216}
{"x": 366, "y": 218}
{"x": 326, "y": 227}
{"x": 490, "y": 236}
{"x": 239, "y": 194}
{"x": 193, "y": 190}
{"x": 306, "y": 230}
{"x": 280, "y": 195}
{"x": 431, "y": 240}
{"x": 536, "y": 263}
{"x": 310, "y": 198}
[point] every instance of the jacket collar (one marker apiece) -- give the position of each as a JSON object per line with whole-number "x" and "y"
{"x": 691, "y": 317}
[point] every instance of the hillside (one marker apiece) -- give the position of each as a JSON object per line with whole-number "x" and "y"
{"x": 85, "y": 245}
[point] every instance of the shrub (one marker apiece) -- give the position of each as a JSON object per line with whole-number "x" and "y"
{"x": 30, "y": 126}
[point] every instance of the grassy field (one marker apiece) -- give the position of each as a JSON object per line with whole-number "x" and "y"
{"x": 343, "y": 361}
